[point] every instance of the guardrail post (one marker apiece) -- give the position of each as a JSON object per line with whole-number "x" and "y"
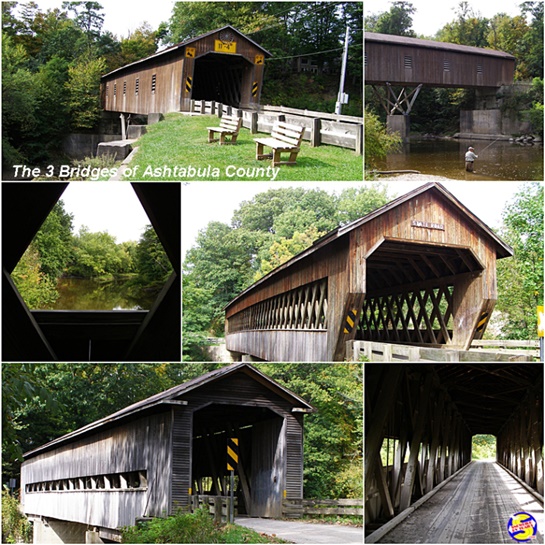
{"x": 253, "y": 122}
{"x": 213, "y": 107}
{"x": 192, "y": 106}
{"x": 203, "y": 107}
{"x": 315, "y": 136}
{"x": 359, "y": 140}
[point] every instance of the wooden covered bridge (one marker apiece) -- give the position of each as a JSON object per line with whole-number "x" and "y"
{"x": 420, "y": 270}
{"x": 49, "y": 335}
{"x": 419, "y": 424}
{"x": 153, "y": 457}
{"x": 401, "y": 66}
{"x": 223, "y": 66}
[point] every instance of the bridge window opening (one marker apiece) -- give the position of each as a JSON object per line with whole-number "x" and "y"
{"x": 124, "y": 88}
{"x": 153, "y": 83}
{"x": 136, "y": 86}
{"x": 408, "y": 62}
{"x": 483, "y": 447}
{"x": 92, "y": 252}
{"x": 446, "y": 66}
{"x": 115, "y": 89}
{"x": 479, "y": 69}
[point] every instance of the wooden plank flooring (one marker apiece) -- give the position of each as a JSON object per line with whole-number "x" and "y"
{"x": 474, "y": 507}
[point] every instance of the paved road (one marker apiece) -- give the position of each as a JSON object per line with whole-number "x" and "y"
{"x": 474, "y": 507}
{"x": 305, "y": 532}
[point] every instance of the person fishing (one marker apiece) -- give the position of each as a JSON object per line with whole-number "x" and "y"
{"x": 470, "y": 158}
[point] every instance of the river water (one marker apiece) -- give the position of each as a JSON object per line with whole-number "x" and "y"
{"x": 88, "y": 294}
{"x": 500, "y": 161}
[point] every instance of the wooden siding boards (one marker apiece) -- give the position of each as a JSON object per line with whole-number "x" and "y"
{"x": 428, "y": 219}
{"x": 409, "y": 61}
{"x": 162, "y": 445}
{"x": 175, "y": 70}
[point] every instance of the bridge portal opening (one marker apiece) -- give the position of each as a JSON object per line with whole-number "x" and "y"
{"x": 483, "y": 447}
{"x": 259, "y": 475}
{"x": 219, "y": 77}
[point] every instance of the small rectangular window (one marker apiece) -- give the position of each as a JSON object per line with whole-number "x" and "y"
{"x": 479, "y": 69}
{"x": 153, "y": 82}
{"x": 446, "y": 66}
{"x": 136, "y": 85}
{"x": 408, "y": 62}
{"x": 365, "y": 57}
{"x": 115, "y": 89}
{"x": 124, "y": 87}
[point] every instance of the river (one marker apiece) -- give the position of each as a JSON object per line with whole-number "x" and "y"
{"x": 500, "y": 161}
{"x": 89, "y": 294}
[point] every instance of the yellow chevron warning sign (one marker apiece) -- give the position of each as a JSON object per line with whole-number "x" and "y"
{"x": 232, "y": 453}
{"x": 350, "y": 320}
{"x": 482, "y": 321}
{"x": 188, "y": 84}
{"x": 255, "y": 87}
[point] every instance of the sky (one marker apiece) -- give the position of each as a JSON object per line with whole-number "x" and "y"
{"x": 106, "y": 206}
{"x": 122, "y": 17}
{"x": 432, "y": 15}
{"x": 203, "y": 202}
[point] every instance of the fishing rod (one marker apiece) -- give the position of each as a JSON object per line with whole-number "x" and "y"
{"x": 489, "y": 145}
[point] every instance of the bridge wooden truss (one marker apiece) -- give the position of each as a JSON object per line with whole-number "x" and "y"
{"x": 420, "y": 270}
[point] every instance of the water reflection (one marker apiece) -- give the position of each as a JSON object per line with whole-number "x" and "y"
{"x": 500, "y": 160}
{"x": 86, "y": 294}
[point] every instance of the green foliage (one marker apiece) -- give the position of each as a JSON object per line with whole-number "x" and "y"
{"x": 152, "y": 262}
{"x": 520, "y": 278}
{"x": 83, "y": 86}
{"x": 483, "y": 447}
{"x": 397, "y": 21}
{"x": 378, "y": 143}
{"x": 36, "y": 288}
{"x": 16, "y": 528}
{"x": 197, "y": 527}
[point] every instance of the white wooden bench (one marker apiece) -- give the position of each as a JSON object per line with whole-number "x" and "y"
{"x": 229, "y": 126}
{"x": 284, "y": 138}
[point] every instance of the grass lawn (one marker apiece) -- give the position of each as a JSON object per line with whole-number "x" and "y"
{"x": 177, "y": 150}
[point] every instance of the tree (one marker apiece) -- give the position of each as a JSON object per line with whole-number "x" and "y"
{"x": 469, "y": 28}
{"x": 520, "y": 278}
{"x": 83, "y": 86}
{"x": 397, "y": 21}
{"x": 378, "y": 143}
{"x": 152, "y": 262}
{"x": 88, "y": 16}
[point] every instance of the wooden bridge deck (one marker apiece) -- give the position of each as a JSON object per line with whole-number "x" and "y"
{"x": 474, "y": 507}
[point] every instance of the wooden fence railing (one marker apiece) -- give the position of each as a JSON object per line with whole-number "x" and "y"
{"x": 521, "y": 347}
{"x": 218, "y": 506}
{"x": 298, "y": 508}
{"x": 320, "y": 128}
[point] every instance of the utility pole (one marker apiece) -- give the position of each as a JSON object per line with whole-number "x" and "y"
{"x": 341, "y": 97}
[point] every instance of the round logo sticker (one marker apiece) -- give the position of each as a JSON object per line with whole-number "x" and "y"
{"x": 522, "y": 527}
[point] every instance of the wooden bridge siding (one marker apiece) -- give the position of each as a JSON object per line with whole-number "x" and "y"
{"x": 430, "y": 428}
{"x": 139, "y": 445}
{"x": 240, "y": 391}
{"x": 168, "y": 71}
{"x": 280, "y": 345}
{"x": 473, "y": 293}
{"x": 386, "y": 63}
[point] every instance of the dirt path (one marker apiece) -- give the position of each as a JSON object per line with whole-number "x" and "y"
{"x": 475, "y": 507}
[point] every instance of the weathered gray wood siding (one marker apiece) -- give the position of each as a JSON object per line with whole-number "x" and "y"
{"x": 280, "y": 456}
{"x": 140, "y": 445}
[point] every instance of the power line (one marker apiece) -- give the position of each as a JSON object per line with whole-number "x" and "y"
{"x": 311, "y": 54}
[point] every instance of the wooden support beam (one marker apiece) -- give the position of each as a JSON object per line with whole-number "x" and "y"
{"x": 383, "y": 489}
{"x": 420, "y": 421}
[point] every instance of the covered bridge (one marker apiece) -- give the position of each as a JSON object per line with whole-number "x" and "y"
{"x": 420, "y": 270}
{"x": 151, "y": 457}
{"x": 400, "y": 60}
{"x": 223, "y": 66}
{"x": 419, "y": 424}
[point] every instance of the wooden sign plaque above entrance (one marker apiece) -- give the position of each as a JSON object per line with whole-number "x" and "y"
{"x": 427, "y": 225}
{"x": 225, "y": 47}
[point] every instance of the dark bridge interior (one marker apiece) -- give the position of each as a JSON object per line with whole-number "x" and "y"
{"x": 153, "y": 335}
{"x": 422, "y": 418}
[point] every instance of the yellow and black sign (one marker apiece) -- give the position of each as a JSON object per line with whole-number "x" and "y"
{"x": 540, "y": 322}
{"x": 259, "y": 59}
{"x": 188, "y": 84}
{"x": 225, "y": 47}
{"x": 190, "y": 52}
{"x": 350, "y": 321}
{"x": 255, "y": 87}
{"x": 482, "y": 321}
{"x": 232, "y": 453}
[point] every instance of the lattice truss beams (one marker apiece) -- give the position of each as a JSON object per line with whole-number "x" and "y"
{"x": 303, "y": 308}
{"x": 415, "y": 438}
{"x": 423, "y": 317}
